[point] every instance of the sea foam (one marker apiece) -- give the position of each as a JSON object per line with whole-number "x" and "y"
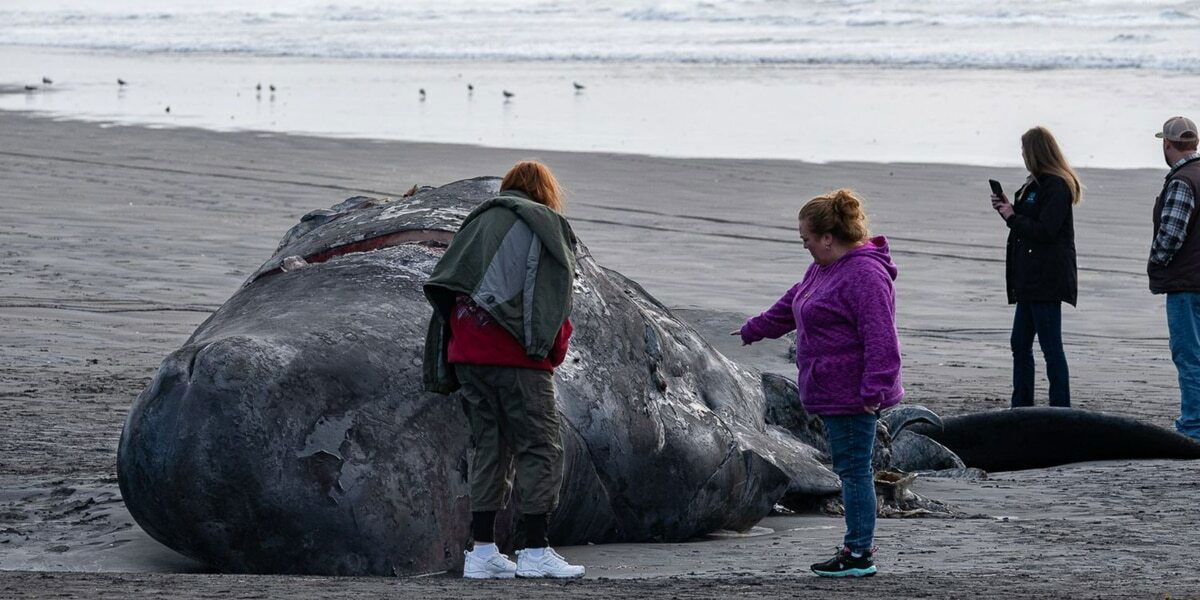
{"x": 1022, "y": 34}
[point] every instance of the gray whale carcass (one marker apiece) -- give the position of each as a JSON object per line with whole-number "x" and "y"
{"x": 1035, "y": 437}
{"x": 291, "y": 433}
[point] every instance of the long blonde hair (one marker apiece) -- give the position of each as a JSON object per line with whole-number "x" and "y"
{"x": 536, "y": 181}
{"x": 839, "y": 213}
{"x": 1044, "y": 157}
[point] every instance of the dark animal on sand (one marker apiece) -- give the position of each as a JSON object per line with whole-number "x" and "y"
{"x": 290, "y": 433}
{"x": 1030, "y": 438}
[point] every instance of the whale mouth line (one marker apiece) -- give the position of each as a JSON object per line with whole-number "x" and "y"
{"x": 433, "y": 238}
{"x": 437, "y": 239}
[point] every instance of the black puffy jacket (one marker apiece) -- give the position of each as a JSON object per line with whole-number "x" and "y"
{"x": 1040, "y": 263}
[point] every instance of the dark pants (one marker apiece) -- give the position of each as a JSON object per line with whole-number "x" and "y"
{"x": 1045, "y": 320}
{"x": 513, "y": 418}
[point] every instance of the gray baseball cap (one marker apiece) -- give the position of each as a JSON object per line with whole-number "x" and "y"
{"x": 1178, "y": 129}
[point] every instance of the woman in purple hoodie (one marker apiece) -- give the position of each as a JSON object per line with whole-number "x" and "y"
{"x": 847, "y": 353}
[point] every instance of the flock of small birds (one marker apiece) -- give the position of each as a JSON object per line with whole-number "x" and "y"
{"x": 45, "y": 81}
{"x": 579, "y": 87}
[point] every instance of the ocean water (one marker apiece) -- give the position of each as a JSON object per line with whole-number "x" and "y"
{"x": 952, "y": 81}
{"x": 1014, "y": 34}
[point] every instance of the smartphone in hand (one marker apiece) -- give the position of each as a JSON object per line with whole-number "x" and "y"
{"x": 996, "y": 189}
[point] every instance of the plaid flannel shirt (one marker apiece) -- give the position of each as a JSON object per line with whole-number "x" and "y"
{"x": 1177, "y": 209}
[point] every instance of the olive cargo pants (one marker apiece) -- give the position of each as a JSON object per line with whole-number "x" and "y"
{"x": 513, "y": 419}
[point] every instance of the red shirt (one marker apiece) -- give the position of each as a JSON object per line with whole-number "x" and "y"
{"x": 477, "y": 339}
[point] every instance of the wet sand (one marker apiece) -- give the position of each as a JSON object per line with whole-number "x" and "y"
{"x": 792, "y": 111}
{"x": 118, "y": 241}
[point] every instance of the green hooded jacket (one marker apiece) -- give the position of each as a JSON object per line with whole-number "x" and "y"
{"x": 513, "y": 257}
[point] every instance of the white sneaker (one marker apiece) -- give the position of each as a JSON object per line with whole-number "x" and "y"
{"x": 545, "y": 562}
{"x": 493, "y": 566}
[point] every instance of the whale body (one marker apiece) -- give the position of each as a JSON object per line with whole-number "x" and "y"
{"x": 291, "y": 432}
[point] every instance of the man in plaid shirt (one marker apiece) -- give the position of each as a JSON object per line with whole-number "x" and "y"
{"x": 1174, "y": 266}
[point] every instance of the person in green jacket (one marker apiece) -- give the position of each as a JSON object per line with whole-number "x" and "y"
{"x": 502, "y": 297}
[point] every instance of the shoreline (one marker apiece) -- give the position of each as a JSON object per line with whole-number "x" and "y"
{"x": 816, "y": 114}
{"x": 118, "y": 241}
{"x": 10, "y": 89}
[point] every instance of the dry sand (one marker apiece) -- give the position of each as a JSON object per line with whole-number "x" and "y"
{"x": 118, "y": 241}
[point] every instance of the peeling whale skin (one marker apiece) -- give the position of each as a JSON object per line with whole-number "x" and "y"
{"x": 912, "y": 451}
{"x": 291, "y": 432}
{"x": 1036, "y": 437}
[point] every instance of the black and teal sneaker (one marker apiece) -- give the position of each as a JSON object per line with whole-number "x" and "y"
{"x": 845, "y": 564}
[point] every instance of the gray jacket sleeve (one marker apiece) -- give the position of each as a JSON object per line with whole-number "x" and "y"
{"x": 505, "y": 276}
{"x": 511, "y": 277}
{"x": 533, "y": 256}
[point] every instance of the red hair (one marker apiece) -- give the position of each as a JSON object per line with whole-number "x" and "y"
{"x": 839, "y": 213}
{"x": 535, "y": 180}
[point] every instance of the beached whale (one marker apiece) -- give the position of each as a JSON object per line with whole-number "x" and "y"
{"x": 1035, "y": 437}
{"x": 290, "y": 433}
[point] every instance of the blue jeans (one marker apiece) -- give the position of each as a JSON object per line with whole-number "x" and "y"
{"x": 1183, "y": 321}
{"x": 851, "y": 444}
{"x": 1045, "y": 320}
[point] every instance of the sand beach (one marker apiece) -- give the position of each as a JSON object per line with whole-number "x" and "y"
{"x": 153, "y": 153}
{"x": 120, "y": 240}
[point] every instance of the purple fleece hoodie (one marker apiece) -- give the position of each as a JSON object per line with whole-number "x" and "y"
{"x": 844, "y": 314}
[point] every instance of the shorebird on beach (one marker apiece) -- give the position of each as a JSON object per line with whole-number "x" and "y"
{"x": 168, "y": 110}
{"x": 272, "y": 88}
{"x": 258, "y": 88}
{"x": 578, "y": 86}
{"x": 121, "y": 81}
{"x": 47, "y": 80}
{"x": 422, "y": 93}
{"x": 470, "y": 88}
{"x": 508, "y": 94}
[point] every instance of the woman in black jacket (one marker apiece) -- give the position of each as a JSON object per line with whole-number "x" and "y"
{"x": 1040, "y": 263}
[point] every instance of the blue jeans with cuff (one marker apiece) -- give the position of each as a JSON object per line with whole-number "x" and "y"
{"x": 851, "y": 446}
{"x": 1183, "y": 321}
